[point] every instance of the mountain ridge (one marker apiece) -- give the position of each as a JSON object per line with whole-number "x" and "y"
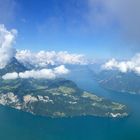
{"x": 118, "y": 81}
{"x": 13, "y": 66}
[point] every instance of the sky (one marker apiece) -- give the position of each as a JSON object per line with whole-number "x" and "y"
{"x": 98, "y": 29}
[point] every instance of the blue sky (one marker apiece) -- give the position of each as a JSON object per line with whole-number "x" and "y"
{"x": 78, "y": 26}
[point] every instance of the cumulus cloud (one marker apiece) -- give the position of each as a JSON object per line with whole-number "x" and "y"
{"x": 61, "y": 70}
{"x": 124, "y": 66}
{"x": 13, "y": 75}
{"x": 7, "y": 38}
{"x": 38, "y": 60}
{"x": 38, "y": 74}
{"x": 44, "y": 58}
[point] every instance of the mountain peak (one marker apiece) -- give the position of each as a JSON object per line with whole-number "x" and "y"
{"x": 13, "y": 66}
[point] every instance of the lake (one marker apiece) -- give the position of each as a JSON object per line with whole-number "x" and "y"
{"x": 16, "y": 125}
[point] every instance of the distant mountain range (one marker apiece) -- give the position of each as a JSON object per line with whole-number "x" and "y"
{"x": 53, "y": 97}
{"x": 128, "y": 82}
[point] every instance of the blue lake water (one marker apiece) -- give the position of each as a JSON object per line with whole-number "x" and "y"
{"x": 16, "y": 125}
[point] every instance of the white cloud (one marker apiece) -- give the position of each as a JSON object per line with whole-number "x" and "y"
{"x": 13, "y": 75}
{"x": 43, "y": 58}
{"x": 38, "y": 74}
{"x": 7, "y": 39}
{"x": 43, "y": 73}
{"x": 39, "y": 59}
{"x": 61, "y": 70}
{"x": 124, "y": 66}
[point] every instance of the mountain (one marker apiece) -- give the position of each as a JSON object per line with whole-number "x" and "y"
{"x": 122, "y": 82}
{"x": 13, "y": 66}
{"x": 53, "y": 98}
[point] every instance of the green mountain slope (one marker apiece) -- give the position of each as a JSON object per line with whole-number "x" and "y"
{"x": 118, "y": 81}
